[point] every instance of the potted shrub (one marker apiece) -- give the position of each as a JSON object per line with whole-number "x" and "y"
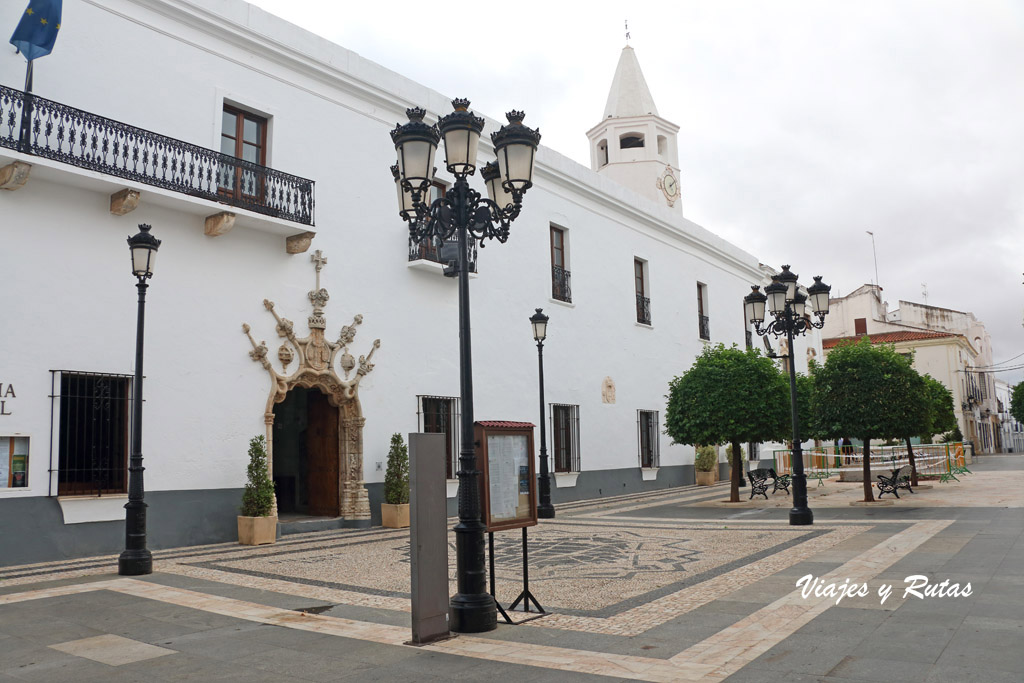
{"x": 256, "y": 524}
{"x": 705, "y": 463}
{"x": 394, "y": 511}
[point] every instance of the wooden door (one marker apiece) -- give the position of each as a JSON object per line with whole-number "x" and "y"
{"x": 322, "y": 447}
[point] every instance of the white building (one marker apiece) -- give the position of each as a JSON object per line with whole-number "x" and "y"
{"x": 1010, "y": 435}
{"x": 648, "y": 287}
{"x": 948, "y": 345}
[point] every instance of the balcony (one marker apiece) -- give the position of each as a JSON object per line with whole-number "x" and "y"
{"x": 444, "y": 256}
{"x": 643, "y": 310}
{"x": 560, "y": 284}
{"x": 36, "y": 126}
{"x": 705, "y": 327}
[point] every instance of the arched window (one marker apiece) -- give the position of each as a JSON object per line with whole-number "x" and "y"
{"x": 631, "y": 140}
{"x": 602, "y": 153}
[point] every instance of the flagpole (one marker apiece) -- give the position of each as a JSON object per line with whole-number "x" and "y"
{"x": 25, "y": 136}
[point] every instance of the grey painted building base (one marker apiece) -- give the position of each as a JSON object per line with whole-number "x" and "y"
{"x": 34, "y": 529}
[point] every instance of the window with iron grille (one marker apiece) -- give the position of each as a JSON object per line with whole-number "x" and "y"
{"x": 560, "y": 276}
{"x": 647, "y": 437}
{"x": 93, "y": 432}
{"x": 565, "y": 437}
{"x": 440, "y": 415}
{"x": 703, "y": 324}
{"x": 643, "y": 299}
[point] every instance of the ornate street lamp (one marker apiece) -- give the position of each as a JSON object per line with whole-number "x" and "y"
{"x": 787, "y": 303}
{"x": 461, "y": 214}
{"x": 545, "y": 509}
{"x": 136, "y": 559}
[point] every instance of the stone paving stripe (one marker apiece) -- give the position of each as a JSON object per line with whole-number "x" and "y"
{"x": 112, "y": 650}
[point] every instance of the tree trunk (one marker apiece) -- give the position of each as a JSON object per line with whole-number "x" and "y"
{"x": 734, "y": 480}
{"x": 913, "y": 465}
{"x": 869, "y": 497}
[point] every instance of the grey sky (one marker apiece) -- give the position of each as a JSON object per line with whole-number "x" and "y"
{"x": 803, "y": 123}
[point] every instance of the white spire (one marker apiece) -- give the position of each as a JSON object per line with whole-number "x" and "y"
{"x": 629, "y": 95}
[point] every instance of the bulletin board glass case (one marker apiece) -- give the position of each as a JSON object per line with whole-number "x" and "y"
{"x": 13, "y": 462}
{"x": 505, "y": 458}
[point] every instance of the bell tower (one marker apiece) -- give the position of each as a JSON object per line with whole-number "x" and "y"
{"x": 633, "y": 145}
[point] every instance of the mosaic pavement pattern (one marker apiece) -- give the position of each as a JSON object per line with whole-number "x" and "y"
{"x": 599, "y": 572}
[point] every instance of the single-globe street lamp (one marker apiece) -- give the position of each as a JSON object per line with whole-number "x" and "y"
{"x": 545, "y": 510}
{"x": 461, "y": 214}
{"x": 135, "y": 559}
{"x": 787, "y": 302}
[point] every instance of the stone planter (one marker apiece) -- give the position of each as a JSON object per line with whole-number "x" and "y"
{"x": 705, "y": 478}
{"x": 257, "y": 530}
{"x": 394, "y": 516}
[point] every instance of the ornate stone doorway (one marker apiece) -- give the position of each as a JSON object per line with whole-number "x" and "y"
{"x": 306, "y": 460}
{"x": 321, "y": 435}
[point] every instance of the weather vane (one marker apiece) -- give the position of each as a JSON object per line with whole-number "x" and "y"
{"x": 627, "y": 30}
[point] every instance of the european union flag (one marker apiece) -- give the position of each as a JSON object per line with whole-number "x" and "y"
{"x": 37, "y": 30}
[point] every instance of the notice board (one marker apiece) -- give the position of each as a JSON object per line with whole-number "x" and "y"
{"x": 508, "y": 480}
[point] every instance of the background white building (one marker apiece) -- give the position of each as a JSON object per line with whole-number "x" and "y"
{"x": 948, "y": 345}
{"x": 634, "y": 290}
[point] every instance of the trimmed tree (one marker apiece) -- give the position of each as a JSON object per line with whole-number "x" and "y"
{"x": 939, "y": 416}
{"x": 258, "y": 496}
{"x": 728, "y": 396}
{"x": 861, "y": 390}
{"x": 1017, "y": 402}
{"x": 396, "y": 478}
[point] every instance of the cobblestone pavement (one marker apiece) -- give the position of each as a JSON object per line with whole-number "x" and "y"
{"x": 666, "y": 586}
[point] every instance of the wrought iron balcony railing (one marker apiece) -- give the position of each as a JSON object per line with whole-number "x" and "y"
{"x": 35, "y": 125}
{"x": 447, "y": 254}
{"x": 643, "y": 310}
{"x": 705, "y": 327}
{"x": 560, "y": 284}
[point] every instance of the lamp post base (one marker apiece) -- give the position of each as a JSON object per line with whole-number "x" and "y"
{"x": 135, "y": 563}
{"x": 472, "y": 613}
{"x": 546, "y": 511}
{"x": 801, "y": 517}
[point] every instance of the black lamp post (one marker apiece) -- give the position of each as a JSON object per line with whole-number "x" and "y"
{"x": 787, "y": 302}
{"x": 545, "y": 509}
{"x": 461, "y": 214}
{"x": 136, "y": 559}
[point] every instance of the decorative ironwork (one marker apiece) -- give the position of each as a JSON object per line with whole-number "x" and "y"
{"x": 94, "y": 424}
{"x": 447, "y": 254}
{"x": 643, "y": 309}
{"x": 80, "y": 138}
{"x": 705, "y": 327}
{"x": 560, "y": 284}
{"x": 647, "y": 438}
{"x": 565, "y": 437}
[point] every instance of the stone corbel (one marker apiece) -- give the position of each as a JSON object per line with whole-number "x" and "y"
{"x": 14, "y": 175}
{"x": 219, "y": 224}
{"x": 299, "y": 244}
{"x": 125, "y": 201}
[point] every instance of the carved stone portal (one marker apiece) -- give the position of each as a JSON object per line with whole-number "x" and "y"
{"x": 316, "y": 362}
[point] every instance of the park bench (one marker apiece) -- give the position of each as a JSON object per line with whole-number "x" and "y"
{"x": 759, "y": 481}
{"x": 900, "y": 479}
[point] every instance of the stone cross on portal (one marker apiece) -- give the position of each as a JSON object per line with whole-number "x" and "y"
{"x": 320, "y": 260}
